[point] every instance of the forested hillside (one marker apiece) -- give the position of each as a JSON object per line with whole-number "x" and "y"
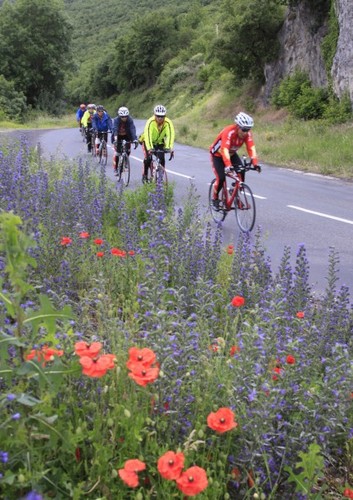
{"x": 142, "y": 50}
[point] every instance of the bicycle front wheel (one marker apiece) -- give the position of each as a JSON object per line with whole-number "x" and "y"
{"x": 124, "y": 171}
{"x": 161, "y": 175}
{"x": 245, "y": 210}
{"x": 103, "y": 153}
{"x": 93, "y": 146}
{"x": 218, "y": 213}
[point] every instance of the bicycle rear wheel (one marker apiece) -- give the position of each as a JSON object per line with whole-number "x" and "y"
{"x": 218, "y": 214}
{"x": 124, "y": 171}
{"x": 245, "y": 209}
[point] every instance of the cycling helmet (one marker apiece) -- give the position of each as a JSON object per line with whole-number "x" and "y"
{"x": 83, "y": 106}
{"x": 244, "y": 120}
{"x": 100, "y": 108}
{"x": 160, "y": 110}
{"x": 123, "y": 111}
{"x": 91, "y": 106}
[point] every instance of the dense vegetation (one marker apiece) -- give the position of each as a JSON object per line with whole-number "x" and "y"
{"x": 120, "y": 50}
{"x": 143, "y": 358}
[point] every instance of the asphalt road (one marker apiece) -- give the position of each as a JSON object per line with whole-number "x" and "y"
{"x": 293, "y": 207}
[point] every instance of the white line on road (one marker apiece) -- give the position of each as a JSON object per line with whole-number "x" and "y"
{"x": 320, "y": 214}
{"x": 168, "y": 171}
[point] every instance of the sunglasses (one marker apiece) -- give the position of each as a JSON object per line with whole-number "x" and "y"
{"x": 160, "y": 116}
{"x": 244, "y": 129}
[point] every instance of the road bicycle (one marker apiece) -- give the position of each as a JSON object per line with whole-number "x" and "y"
{"x": 122, "y": 161}
{"x": 101, "y": 147}
{"x": 156, "y": 171}
{"x": 238, "y": 197}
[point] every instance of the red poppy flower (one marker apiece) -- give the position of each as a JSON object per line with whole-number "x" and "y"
{"x": 290, "y": 359}
{"x": 238, "y": 301}
{"x": 129, "y": 478}
{"x": 84, "y": 235}
{"x": 131, "y": 252}
{"x": 233, "y": 350}
{"x": 100, "y": 254}
{"x": 65, "y": 240}
{"x": 300, "y": 314}
{"x": 213, "y": 347}
{"x": 192, "y": 481}
{"x": 230, "y": 249}
{"x": 96, "y": 367}
{"x": 143, "y": 376}
{"x": 236, "y": 474}
{"x": 98, "y": 241}
{"x": 143, "y": 357}
{"x": 170, "y": 465}
{"x": 44, "y": 354}
{"x": 134, "y": 465}
{"x": 89, "y": 350}
{"x": 348, "y": 493}
{"x": 117, "y": 251}
{"x": 222, "y": 420}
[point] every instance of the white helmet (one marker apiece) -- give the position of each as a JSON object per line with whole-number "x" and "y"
{"x": 91, "y": 106}
{"x": 160, "y": 110}
{"x": 123, "y": 111}
{"x": 244, "y": 120}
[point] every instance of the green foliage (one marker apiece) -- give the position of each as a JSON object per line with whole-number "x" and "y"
{"x": 248, "y": 36}
{"x": 34, "y": 48}
{"x": 329, "y": 43}
{"x": 297, "y": 94}
{"x": 312, "y": 468}
{"x": 12, "y": 102}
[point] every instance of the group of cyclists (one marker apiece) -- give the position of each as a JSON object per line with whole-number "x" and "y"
{"x": 159, "y": 134}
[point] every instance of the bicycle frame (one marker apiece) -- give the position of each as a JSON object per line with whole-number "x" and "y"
{"x": 158, "y": 171}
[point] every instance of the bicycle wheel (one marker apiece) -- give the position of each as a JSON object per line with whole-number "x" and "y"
{"x": 218, "y": 214}
{"x": 103, "y": 153}
{"x": 161, "y": 175}
{"x": 93, "y": 146}
{"x": 124, "y": 171}
{"x": 245, "y": 209}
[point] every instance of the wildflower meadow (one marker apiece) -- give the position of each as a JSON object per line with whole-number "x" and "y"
{"x": 142, "y": 358}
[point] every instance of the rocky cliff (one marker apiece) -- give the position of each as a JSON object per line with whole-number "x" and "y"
{"x": 300, "y": 40}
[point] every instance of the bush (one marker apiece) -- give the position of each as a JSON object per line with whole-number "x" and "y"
{"x": 306, "y": 102}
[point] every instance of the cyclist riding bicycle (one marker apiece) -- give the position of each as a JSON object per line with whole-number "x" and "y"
{"x": 123, "y": 128}
{"x": 87, "y": 123}
{"x": 157, "y": 134}
{"x": 224, "y": 151}
{"x": 79, "y": 114}
{"x": 101, "y": 123}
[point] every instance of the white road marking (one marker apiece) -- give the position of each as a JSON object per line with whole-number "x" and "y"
{"x": 320, "y": 214}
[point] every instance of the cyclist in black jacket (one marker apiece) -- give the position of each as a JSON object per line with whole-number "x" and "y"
{"x": 123, "y": 128}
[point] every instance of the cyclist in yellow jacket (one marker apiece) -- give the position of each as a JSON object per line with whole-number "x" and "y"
{"x": 157, "y": 134}
{"x": 86, "y": 122}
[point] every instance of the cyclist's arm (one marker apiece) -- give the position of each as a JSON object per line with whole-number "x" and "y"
{"x": 225, "y": 147}
{"x": 170, "y": 134}
{"x": 250, "y": 146}
{"x": 149, "y": 129}
{"x": 132, "y": 130}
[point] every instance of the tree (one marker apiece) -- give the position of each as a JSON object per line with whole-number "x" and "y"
{"x": 35, "y": 40}
{"x": 141, "y": 54}
{"x": 248, "y": 36}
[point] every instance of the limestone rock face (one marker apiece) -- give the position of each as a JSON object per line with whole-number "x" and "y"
{"x": 300, "y": 40}
{"x": 342, "y": 68}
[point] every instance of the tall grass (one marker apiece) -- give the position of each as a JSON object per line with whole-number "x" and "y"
{"x": 242, "y": 374}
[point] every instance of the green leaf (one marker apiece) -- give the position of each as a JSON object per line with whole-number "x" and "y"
{"x": 27, "y": 400}
{"x": 47, "y": 317}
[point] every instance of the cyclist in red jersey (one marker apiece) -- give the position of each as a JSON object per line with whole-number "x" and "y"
{"x": 224, "y": 150}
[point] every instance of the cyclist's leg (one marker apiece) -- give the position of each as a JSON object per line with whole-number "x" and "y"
{"x": 161, "y": 156}
{"x": 236, "y": 162}
{"x": 146, "y": 162}
{"x": 218, "y": 170}
{"x": 88, "y": 138}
